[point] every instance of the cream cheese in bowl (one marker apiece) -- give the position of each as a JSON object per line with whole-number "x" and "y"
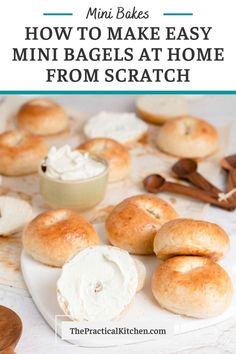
{"x": 68, "y": 165}
{"x": 72, "y": 179}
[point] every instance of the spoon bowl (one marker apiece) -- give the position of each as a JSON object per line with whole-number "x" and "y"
{"x": 184, "y": 167}
{"x": 153, "y": 183}
{"x": 187, "y": 169}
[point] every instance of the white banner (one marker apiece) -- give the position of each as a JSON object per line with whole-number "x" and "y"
{"x": 62, "y": 45}
{"x": 116, "y": 333}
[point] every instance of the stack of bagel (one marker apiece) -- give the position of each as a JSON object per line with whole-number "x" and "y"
{"x": 189, "y": 281}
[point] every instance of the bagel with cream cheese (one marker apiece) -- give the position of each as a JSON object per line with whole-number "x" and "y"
{"x": 125, "y": 128}
{"x": 98, "y": 284}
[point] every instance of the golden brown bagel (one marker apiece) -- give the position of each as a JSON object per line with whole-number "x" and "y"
{"x": 188, "y": 237}
{"x": 56, "y": 235}
{"x": 116, "y": 154}
{"x": 20, "y": 153}
{"x": 192, "y": 286}
{"x": 188, "y": 136}
{"x": 157, "y": 109}
{"x": 42, "y": 117}
{"x": 132, "y": 224}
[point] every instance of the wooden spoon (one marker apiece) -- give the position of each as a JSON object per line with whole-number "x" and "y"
{"x": 187, "y": 169}
{"x": 229, "y": 164}
{"x": 10, "y": 330}
{"x": 155, "y": 183}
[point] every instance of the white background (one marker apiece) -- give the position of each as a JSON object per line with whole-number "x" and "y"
{"x": 15, "y": 15}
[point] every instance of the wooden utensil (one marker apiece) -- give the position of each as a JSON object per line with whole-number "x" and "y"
{"x": 187, "y": 169}
{"x": 155, "y": 183}
{"x": 10, "y": 330}
{"x": 229, "y": 164}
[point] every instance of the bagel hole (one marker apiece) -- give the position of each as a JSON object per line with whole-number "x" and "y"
{"x": 153, "y": 212}
{"x": 101, "y": 147}
{"x": 16, "y": 139}
{"x": 191, "y": 265}
{"x": 187, "y": 130}
{"x": 42, "y": 103}
{"x": 98, "y": 287}
{"x": 188, "y": 127}
{"x": 59, "y": 216}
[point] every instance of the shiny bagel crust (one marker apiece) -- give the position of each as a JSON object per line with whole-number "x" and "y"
{"x": 55, "y": 236}
{"x": 188, "y": 237}
{"x": 192, "y": 286}
{"x": 188, "y": 137}
{"x": 133, "y": 224}
{"x": 42, "y": 117}
{"x": 20, "y": 153}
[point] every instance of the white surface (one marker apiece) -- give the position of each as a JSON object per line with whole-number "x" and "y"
{"x": 38, "y": 337}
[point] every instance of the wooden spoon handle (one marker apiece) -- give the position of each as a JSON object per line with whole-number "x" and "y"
{"x": 231, "y": 184}
{"x": 201, "y": 182}
{"x": 233, "y": 176}
{"x": 196, "y": 194}
{"x": 8, "y": 351}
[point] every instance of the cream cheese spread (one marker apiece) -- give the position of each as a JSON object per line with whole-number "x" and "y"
{"x": 68, "y": 165}
{"x": 122, "y": 127}
{"x": 97, "y": 284}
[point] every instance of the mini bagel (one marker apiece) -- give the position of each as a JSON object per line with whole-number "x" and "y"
{"x": 192, "y": 286}
{"x": 56, "y": 235}
{"x": 157, "y": 109}
{"x": 99, "y": 283}
{"x": 183, "y": 237}
{"x": 126, "y": 128}
{"x": 20, "y": 153}
{"x": 132, "y": 224}
{"x": 189, "y": 137}
{"x": 42, "y": 117}
{"x": 141, "y": 269}
{"x": 116, "y": 154}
